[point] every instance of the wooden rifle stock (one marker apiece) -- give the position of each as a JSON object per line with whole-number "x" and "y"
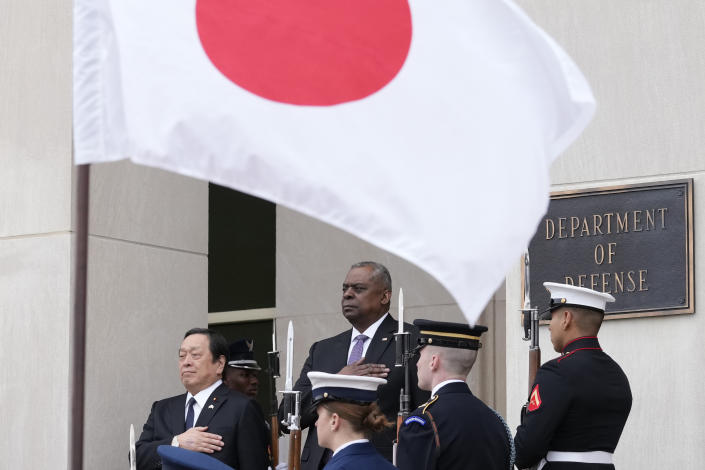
{"x": 273, "y": 373}
{"x": 534, "y": 364}
{"x": 295, "y": 450}
{"x": 275, "y": 440}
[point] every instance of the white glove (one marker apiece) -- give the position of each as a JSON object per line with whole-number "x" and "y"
{"x": 283, "y": 466}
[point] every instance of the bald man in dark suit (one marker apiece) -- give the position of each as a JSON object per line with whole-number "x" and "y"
{"x": 367, "y": 292}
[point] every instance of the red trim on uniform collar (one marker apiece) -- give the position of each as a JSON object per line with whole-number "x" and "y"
{"x": 579, "y": 349}
{"x": 576, "y": 339}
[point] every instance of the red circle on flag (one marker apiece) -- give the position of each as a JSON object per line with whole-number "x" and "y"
{"x": 306, "y": 52}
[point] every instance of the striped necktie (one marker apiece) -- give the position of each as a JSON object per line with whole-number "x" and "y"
{"x": 356, "y": 352}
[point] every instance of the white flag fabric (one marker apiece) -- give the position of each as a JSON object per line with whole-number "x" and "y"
{"x": 425, "y": 128}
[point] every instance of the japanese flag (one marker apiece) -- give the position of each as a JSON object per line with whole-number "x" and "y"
{"x": 426, "y": 128}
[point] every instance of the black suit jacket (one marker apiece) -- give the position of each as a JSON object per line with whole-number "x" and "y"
{"x": 330, "y": 355}
{"x": 232, "y": 416}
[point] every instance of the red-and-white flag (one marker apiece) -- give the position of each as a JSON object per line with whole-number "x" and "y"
{"x": 426, "y": 128}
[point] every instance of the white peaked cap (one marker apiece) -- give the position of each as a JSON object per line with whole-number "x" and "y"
{"x": 348, "y": 388}
{"x": 574, "y": 296}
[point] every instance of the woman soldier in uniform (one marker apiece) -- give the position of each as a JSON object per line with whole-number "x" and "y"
{"x": 347, "y": 415}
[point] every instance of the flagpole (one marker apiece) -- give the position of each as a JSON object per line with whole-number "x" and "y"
{"x": 77, "y": 358}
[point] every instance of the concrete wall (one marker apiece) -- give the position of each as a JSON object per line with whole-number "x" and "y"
{"x": 147, "y": 262}
{"x": 35, "y": 224}
{"x": 312, "y": 261}
{"x": 147, "y": 285}
{"x": 148, "y": 245}
{"x": 646, "y": 65}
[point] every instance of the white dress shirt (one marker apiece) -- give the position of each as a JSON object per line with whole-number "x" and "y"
{"x": 201, "y": 398}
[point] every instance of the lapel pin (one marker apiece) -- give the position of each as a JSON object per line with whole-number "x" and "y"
{"x": 210, "y": 407}
{"x": 384, "y": 339}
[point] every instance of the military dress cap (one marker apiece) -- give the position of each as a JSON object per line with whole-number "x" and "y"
{"x": 357, "y": 389}
{"x": 565, "y": 295}
{"x": 449, "y": 335}
{"x": 242, "y": 355}
{"x": 176, "y": 458}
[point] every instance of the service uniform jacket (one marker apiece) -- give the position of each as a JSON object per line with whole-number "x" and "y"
{"x": 469, "y": 436}
{"x": 361, "y": 456}
{"x": 226, "y": 413}
{"x": 579, "y": 402}
{"x": 330, "y": 355}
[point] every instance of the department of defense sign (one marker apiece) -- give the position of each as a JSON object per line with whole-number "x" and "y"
{"x": 635, "y": 242}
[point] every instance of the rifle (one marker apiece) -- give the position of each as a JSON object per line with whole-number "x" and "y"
{"x": 293, "y": 419}
{"x": 294, "y": 424}
{"x": 403, "y": 357}
{"x": 273, "y": 373}
{"x": 530, "y": 318}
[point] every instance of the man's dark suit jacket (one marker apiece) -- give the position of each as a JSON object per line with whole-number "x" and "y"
{"x": 330, "y": 355}
{"x": 232, "y": 416}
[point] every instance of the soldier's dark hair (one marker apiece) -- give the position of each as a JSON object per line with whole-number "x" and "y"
{"x": 216, "y": 342}
{"x": 379, "y": 272}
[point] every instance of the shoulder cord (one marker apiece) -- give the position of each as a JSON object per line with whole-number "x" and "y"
{"x": 512, "y": 450}
{"x": 435, "y": 434}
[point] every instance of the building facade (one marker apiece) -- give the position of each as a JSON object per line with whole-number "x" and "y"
{"x": 149, "y": 245}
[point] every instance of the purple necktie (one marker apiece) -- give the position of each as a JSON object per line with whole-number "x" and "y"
{"x": 356, "y": 352}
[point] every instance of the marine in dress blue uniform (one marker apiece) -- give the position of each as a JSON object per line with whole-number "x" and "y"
{"x": 352, "y": 450}
{"x": 580, "y": 401}
{"x": 454, "y": 430}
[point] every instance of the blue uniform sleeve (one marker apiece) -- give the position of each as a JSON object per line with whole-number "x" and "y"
{"x": 417, "y": 444}
{"x": 549, "y": 401}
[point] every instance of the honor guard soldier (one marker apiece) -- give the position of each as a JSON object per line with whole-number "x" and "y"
{"x": 347, "y": 415}
{"x": 242, "y": 371}
{"x": 454, "y": 430}
{"x": 242, "y": 375}
{"x": 580, "y": 401}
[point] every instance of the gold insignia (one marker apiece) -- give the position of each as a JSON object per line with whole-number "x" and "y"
{"x": 429, "y": 402}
